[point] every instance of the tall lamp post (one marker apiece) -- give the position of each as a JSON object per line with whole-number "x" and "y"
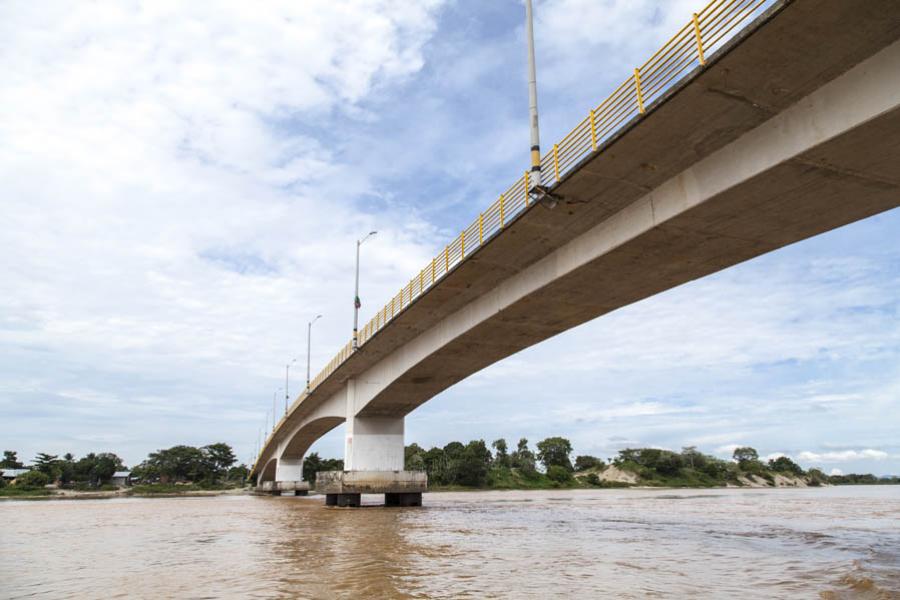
{"x": 287, "y": 370}
{"x": 532, "y": 102}
{"x": 309, "y": 347}
{"x": 356, "y": 302}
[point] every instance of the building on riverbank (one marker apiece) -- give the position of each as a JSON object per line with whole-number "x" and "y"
{"x": 10, "y": 474}
{"x": 121, "y": 479}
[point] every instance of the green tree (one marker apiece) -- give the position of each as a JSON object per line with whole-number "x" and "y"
{"x": 523, "y": 459}
{"x": 693, "y": 458}
{"x": 238, "y": 474}
{"x": 32, "y": 480}
{"x": 453, "y": 456}
{"x": 66, "y": 468}
{"x": 555, "y": 451}
{"x": 178, "y": 463}
{"x": 48, "y": 464}
{"x": 783, "y": 464}
{"x": 816, "y": 477}
{"x": 652, "y": 460}
{"x": 586, "y": 462}
{"x": 559, "y": 474}
{"x": 501, "y": 453}
{"x": 96, "y": 469}
{"x": 414, "y": 458}
{"x": 312, "y": 464}
{"x": 436, "y": 466}
{"x": 745, "y": 454}
{"x": 217, "y": 459}
{"x": 11, "y": 460}
{"x": 473, "y": 464}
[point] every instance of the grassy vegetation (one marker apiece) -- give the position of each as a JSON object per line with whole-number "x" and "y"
{"x": 172, "y": 488}
{"x": 12, "y": 491}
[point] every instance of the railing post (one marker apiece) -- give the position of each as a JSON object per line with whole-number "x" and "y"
{"x": 527, "y": 187}
{"x": 462, "y": 244}
{"x": 501, "y": 211}
{"x": 480, "y": 228}
{"x": 699, "y": 40}
{"x": 637, "y": 88}
{"x": 593, "y": 132}
{"x": 433, "y": 269}
{"x": 447, "y": 258}
{"x": 556, "y": 161}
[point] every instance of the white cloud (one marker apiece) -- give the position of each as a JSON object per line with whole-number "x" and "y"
{"x": 842, "y": 456}
{"x": 174, "y": 193}
{"x": 835, "y": 471}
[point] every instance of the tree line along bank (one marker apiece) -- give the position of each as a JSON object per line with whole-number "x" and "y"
{"x": 471, "y": 465}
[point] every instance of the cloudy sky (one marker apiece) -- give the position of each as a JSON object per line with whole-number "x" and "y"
{"x": 181, "y": 187}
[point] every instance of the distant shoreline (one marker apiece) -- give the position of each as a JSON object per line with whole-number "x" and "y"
{"x": 127, "y": 493}
{"x": 74, "y": 495}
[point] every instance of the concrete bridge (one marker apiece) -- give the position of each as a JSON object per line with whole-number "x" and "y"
{"x": 728, "y": 144}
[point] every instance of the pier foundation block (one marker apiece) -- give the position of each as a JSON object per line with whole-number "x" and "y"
{"x": 344, "y": 488}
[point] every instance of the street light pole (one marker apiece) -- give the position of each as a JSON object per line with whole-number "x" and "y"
{"x": 287, "y": 370}
{"x": 532, "y": 101}
{"x": 309, "y": 347}
{"x": 356, "y": 302}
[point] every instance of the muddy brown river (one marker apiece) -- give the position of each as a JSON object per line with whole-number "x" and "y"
{"x": 841, "y": 542}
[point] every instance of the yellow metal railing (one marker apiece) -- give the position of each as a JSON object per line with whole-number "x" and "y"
{"x": 706, "y": 31}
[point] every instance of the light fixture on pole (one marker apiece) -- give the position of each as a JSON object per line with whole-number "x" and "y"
{"x": 356, "y": 302}
{"x": 287, "y": 370}
{"x": 309, "y": 347}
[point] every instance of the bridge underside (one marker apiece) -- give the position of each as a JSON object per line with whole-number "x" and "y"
{"x": 829, "y": 160}
{"x": 790, "y": 131}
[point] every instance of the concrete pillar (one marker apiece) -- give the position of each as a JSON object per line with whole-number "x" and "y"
{"x": 289, "y": 469}
{"x": 374, "y": 444}
{"x": 371, "y": 443}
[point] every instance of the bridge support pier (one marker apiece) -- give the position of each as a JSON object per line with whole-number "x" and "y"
{"x": 288, "y": 479}
{"x": 373, "y": 463}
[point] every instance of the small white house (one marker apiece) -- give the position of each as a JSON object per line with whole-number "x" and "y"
{"x": 121, "y": 478}
{"x": 11, "y": 474}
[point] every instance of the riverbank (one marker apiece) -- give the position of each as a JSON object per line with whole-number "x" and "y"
{"x": 53, "y": 494}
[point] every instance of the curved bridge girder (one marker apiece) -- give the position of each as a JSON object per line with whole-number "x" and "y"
{"x": 268, "y": 472}
{"x": 306, "y": 435}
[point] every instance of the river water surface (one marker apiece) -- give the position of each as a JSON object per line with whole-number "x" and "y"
{"x": 841, "y": 542}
